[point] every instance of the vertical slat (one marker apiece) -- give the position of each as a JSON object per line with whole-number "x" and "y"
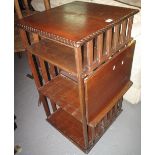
{"x": 120, "y": 103}
{"x": 124, "y": 27}
{"x": 106, "y": 120}
{"x": 90, "y": 54}
{"x": 45, "y": 105}
{"x": 45, "y": 77}
{"x": 47, "y": 4}
{"x": 116, "y": 37}
{"x": 93, "y": 134}
{"x": 95, "y": 52}
{"x": 78, "y": 58}
{"x": 53, "y": 104}
{"x": 123, "y": 32}
{"x": 110, "y": 115}
{"x": 120, "y": 32}
{"x": 52, "y": 70}
{"x": 26, "y": 4}
{"x": 99, "y": 47}
{"x": 35, "y": 40}
{"x": 24, "y": 38}
{"x": 18, "y": 10}
{"x": 130, "y": 22}
{"x": 108, "y": 41}
{"x": 115, "y": 109}
{"x": 103, "y": 126}
{"x": 104, "y": 52}
{"x": 37, "y": 82}
{"x": 22, "y": 32}
{"x": 33, "y": 70}
{"x": 35, "y": 37}
{"x": 27, "y": 7}
{"x": 43, "y": 70}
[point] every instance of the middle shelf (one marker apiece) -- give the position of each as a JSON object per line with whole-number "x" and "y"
{"x": 64, "y": 92}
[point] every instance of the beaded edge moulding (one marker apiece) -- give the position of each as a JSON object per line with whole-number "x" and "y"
{"x": 72, "y": 43}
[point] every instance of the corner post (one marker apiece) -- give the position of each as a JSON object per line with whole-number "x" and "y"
{"x": 81, "y": 87}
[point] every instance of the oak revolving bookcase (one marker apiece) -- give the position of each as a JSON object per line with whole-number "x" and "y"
{"x": 82, "y": 65}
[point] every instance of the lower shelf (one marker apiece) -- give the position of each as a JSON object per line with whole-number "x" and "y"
{"x": 69, "y": 127}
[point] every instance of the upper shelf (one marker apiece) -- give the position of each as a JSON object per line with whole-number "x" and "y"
{"x": 76, "y": 22}
{"x": 59, "y": 55}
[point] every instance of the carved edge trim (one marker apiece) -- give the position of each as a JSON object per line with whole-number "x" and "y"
{"x": 47, "y": 35}
{"x": 68, "y": 42}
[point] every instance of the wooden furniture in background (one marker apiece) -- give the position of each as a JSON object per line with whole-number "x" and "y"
{"x": 19, "y": 35}
{"x": 93, "y": 52}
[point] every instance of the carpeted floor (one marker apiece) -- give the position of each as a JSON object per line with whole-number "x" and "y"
{"x": 37, "y": 137}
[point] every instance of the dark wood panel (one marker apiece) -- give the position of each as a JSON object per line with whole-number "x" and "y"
{"x": 108, "y": 118}
{"x": 110, "y": 105}
{"x": 106, "y": 82}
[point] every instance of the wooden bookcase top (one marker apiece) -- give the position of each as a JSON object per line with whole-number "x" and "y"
{"x": 75, "y": 23}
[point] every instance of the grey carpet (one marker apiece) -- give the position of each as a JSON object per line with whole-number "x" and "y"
{"x": 37, "y": 137}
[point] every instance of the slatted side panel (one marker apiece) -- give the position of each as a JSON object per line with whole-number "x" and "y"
{"x": 98, "y": 50}
{"x": 45, "y": 75}
{"x": 41, "y": 73}
{"x": 90, "y": 55}
{"x": 107, "y": 120}
{"x": 34, "y": 69}
{"x": 103, "y": 46}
